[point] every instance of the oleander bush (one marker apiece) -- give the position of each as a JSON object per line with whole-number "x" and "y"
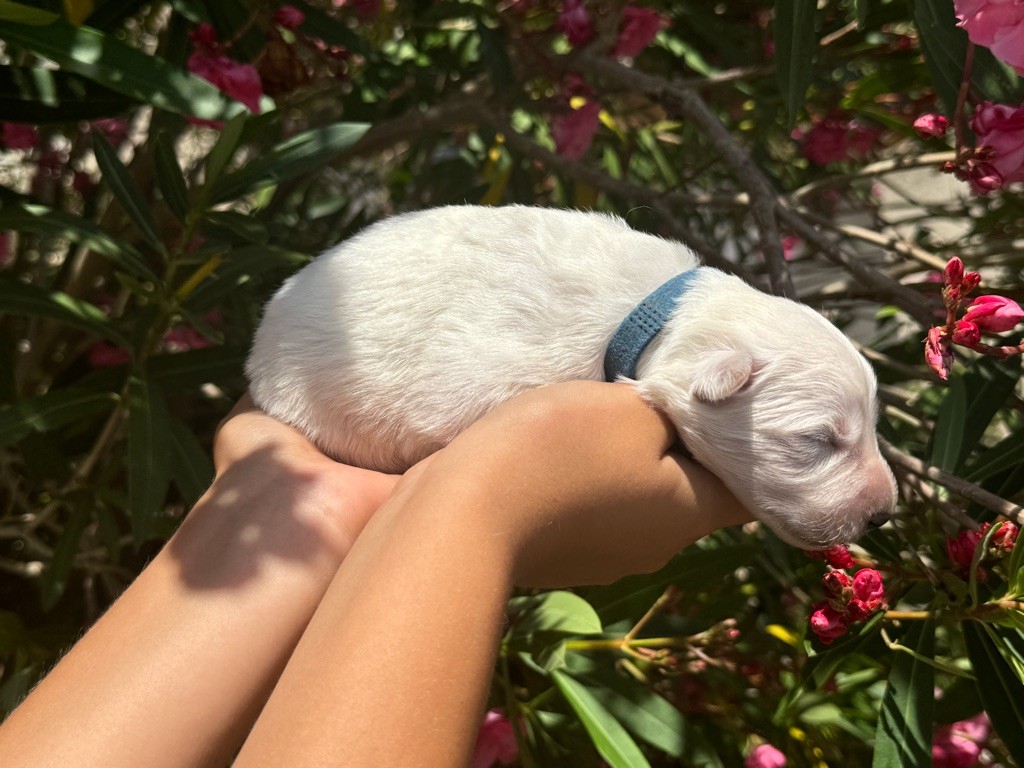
{"x": 165, "y": 165}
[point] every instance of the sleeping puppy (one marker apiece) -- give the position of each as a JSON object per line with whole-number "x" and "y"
{"x": 388, "y": 345}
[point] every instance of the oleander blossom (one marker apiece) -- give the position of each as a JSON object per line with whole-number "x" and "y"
{"x": 1000, "y": 128}
{"x": 575, "y": 23}
{"x": 495, "y": 741}
{"x": 639, "y": 28}
{"x": 959, "y": 745}
{"x": 931, "y": 126}
{"x": 19, "y": 136}
{"x": 846, "y": 601}
{"x": 574, "y": 131}
{"x": 996, "y": 24}
{"x": 237, "y": 80}
{"x": 838, "y": 556}
{"x": 835, "y": 139}
{"x": 765, "y": 756}
{"x": 994, "y": 314}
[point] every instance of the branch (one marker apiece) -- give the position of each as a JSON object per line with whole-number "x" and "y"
{"x": 689, "y": 103}
{"x": 959, "y": 486}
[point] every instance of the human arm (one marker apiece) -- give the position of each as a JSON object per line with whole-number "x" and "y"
{"x": 570, "y": 484}
{"x": 176, "y": 671}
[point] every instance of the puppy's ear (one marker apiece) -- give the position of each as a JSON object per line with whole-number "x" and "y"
{"x": 722, "y": 374}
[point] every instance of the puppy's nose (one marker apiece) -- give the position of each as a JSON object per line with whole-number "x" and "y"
{"x": 879, "y": 519}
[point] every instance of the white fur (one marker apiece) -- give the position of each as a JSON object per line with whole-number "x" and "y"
{"x": 390, "y": 344}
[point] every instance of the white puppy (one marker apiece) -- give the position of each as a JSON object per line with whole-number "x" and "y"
{"x": 387, "y": 346}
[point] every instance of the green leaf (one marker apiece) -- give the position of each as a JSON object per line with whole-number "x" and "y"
{"x": 558, "y": 611}
{"x": 644, "y": 713}
{"x": 862, "y": 12}
{"x": 1006, "y": 454}
{"x": 989, "y": 384}
{"x": 224, "y": 149}
{"x": 123, "y": 68}
{"x": 696, "y": 568}
{"x": 945, "y": 45}
{"x": 332, "y": 31}
{"x": 796, "y": 43}
{"x": 148, "y": 478}
{"x": 298, "y": 155}
{"x": 47, "y": 412}
{"x": 903, "y": 738}
{"x": 612, "y": 741}
{"x": 949, "y": 427}
{"x": 240, "y": 263}
{"x": 185, "y": 371}
{"x": 190, "y": 465}
{"x": 170, "y": 179}
{"x": 123, "y": 186}
{"x": 36, "y": 95}
{"x": 25, "y": 14}
{"x": 1000, "y": 690}
{"x": 19, "y": 298}
{"x": 28, "y": 217}
{"x": 55, "y": 577}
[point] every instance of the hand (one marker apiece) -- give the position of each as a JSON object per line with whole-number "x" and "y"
{"x": 579, "y": 482}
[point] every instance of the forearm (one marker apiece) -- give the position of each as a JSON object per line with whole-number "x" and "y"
{"x": 395, "y": 666}
{"x": 176, "y": 671}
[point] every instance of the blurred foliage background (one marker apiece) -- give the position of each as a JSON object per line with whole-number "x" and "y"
{"x": 166, "y": 165}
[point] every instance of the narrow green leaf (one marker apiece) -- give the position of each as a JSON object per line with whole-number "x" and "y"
{"x": 949, "y": 427}
{"x": 190, "y": 465}
{"x": 557, "y": 611}
{"x": 47, "y": 412}
{"x": 19, "y": 298}
{"x": 123, "y": 186}
{"x": 148, "y": 478}
{"x": 170, "y": 179}
{"x": 184, "y": 371}
{"x": 224, "y": 149}
{"x": 1000, "y": 690}
{"x": 25, "y": 14}
{"x": 298, "y": 155}
{"x": 903, "y": 738}
{"x": 989, "y": 383}
{"x": 862, "y": 12}
{"x": 1005, "y": 454}
{"x": 612, "y": 741}
{"x": 120, "y": 67}
{"x": 36, "y": 95}
{"x": 232, "y": 225}
{"x": 796, "y": 43}
{"x": 242, "y": 263}
{"x": 40, "y": 220}
{"x": 55, "y": 577}
{"x": 644, "y": 713}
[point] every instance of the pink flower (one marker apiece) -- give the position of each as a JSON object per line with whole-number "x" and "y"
{"x": 103, "y": 355}
{"x": 868, "y": 594}
{"x": 931, "y": 126}
{"x": 1000, "y": 127}
{"x": 184, "y": 338}
{"x": 765, "y": 756}
{"x": 838, "y": 556}
{"x": 827, "y": 623}
{"x": 1005, "y": 536}
{"x": 994, "y": 314}
{"x": 959, "y": 745}
{"x": 19, "y": 136}
{"x": 938, "y": 352}
{"x": 835, "y": 139}
{"x": 953, "y": 274}
{"x": 365, "y": 10}
{"x": 961, "y": 547}
{"x": 967, "y": 333}
{"x": 114, "y": 128}
{"x": 574, "y": 131}
{"x": 495, "y": 742}
{"x": 289, "y": 17}
{"x": 639, "y": 28}
{"x": 971, "y": 281}
{"x": 789, "y": 245}
{"x": 983, "y": 177}
{"x": 996, "y": 24}
{"x": 237, "y": 80}
{"x": 575, "y": 23}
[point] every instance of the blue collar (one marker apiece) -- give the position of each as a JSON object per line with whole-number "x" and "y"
{"x": 642, "y": 325}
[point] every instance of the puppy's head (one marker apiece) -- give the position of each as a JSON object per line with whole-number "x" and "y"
{"x": 775, "y": 401}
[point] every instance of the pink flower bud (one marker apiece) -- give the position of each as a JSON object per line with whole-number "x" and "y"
{"x": 953, "y": 274}
{"x": 938, "y": 352}
{"x": 868, "y": 586}
{"x": 838, "y": 589}
{"x": 1005, "y": 536}
{"x": 827, "y": 623}
{"x": 838, "y": 556}
{"x": 495, "y": 742}
{"x": 971, "y": 281}
{"x": 289, "y": 17}
{"x": 961, "y": 547}
{"x": 575, "y": 23}
{"x": 931, "y": 126}
{"x": 966, "y": 333}
{"x": 994, "y": 314}
{"x": 984, "y": 177}
{"x": 765, "y": 756}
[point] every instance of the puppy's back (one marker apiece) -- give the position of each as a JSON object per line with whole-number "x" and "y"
{"x": 387, "y": 346}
